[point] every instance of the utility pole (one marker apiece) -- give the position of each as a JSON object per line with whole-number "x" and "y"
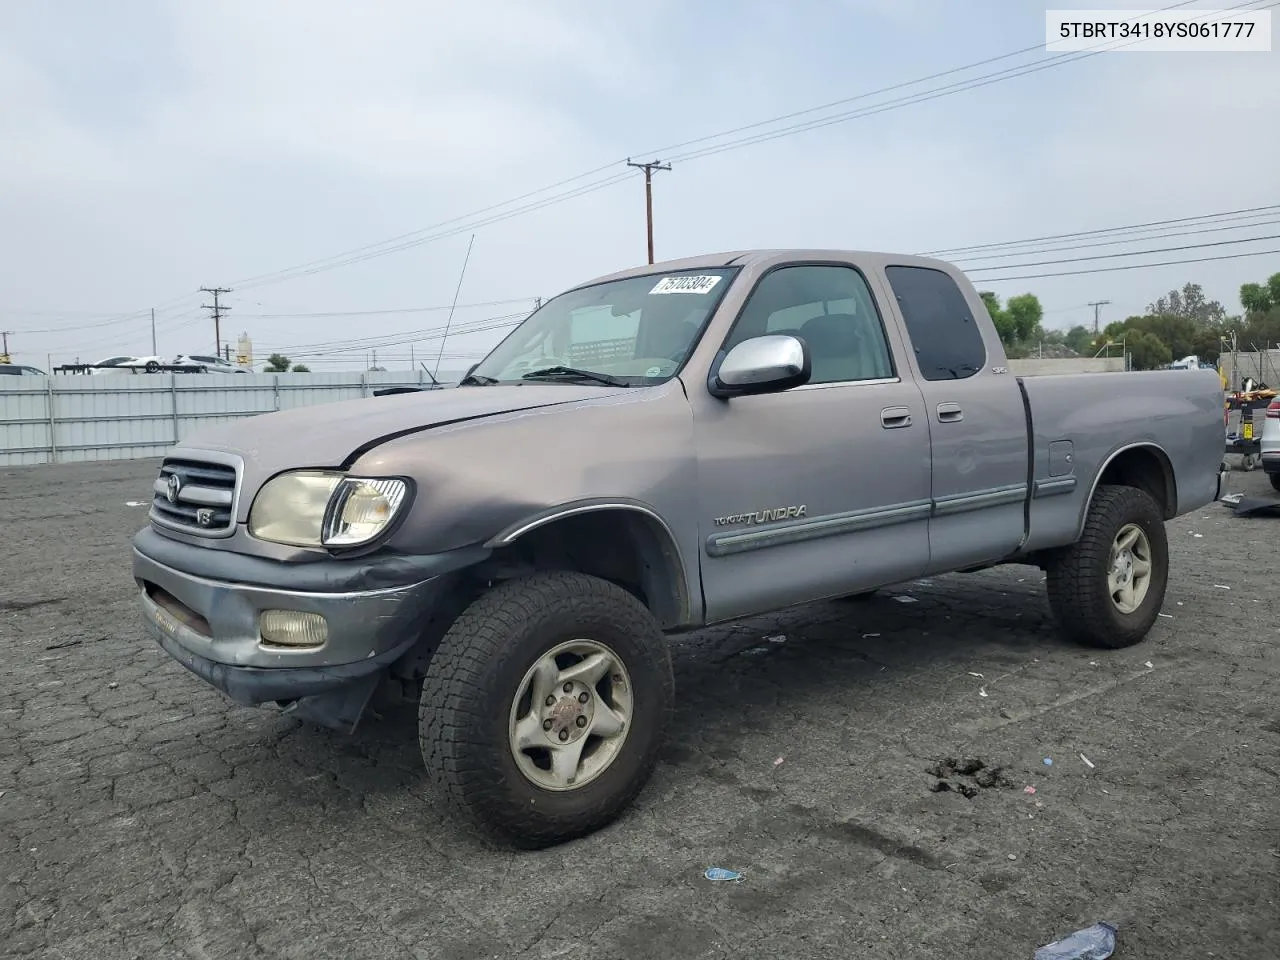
{"x": 648, "y": 169}
{"x": 153, "y": 331}
{"x": 4, "y": 351}
{"x": 1097, "y": 305}
{"x": 218, "y": 310}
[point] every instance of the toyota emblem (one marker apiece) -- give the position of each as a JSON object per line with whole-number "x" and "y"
{"x": 174, "y": 488}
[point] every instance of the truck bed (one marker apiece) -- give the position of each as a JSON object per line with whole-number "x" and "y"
{"x": 1093, "y": 417}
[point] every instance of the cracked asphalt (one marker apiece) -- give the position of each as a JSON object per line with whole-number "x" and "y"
{"x": 144, "y": 816}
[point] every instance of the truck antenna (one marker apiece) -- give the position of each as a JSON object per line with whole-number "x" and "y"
{"x": 457, "y": 291}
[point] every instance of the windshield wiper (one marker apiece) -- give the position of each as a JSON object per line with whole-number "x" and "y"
{"x": 573, "y": 373}
{"x": 476, "y": 379}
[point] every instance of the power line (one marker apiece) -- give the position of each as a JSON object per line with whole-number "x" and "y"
{"x": 424, "y": 235}
{"x": 1127, "y": 253}
{"x": 1249, "y": 211}
{"x": 1132, "y": 266}
{"x": 1097, "y": 306}
{"x": 218, "y": 310}
{"x": 385, "y": 311}
{"x": 648, "y": 169}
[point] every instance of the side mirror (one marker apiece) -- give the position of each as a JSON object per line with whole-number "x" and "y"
{"x": 765, "y": 364}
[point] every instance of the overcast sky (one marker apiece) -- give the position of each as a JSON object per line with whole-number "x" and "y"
{"x": 148, "y": 148}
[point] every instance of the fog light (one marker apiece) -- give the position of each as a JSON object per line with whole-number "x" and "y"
{"x": 292, "y": 628}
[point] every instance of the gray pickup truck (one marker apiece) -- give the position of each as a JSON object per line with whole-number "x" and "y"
{"x": 663, "y": 448}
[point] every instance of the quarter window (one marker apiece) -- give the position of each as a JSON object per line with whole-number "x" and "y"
{"x": 942, "y": 328}
{"x": 830, "y": 308}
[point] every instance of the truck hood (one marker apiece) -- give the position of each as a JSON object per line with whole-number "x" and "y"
{"x": 333, "y": 434}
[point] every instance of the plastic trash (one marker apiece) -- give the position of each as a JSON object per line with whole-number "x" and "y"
{"x": 1092, "y": 943}
{"x": 720, "y": 873}
{"x": 1048, "y": 761}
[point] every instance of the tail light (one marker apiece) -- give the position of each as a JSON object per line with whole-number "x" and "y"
{"x": 1273, "y": 410}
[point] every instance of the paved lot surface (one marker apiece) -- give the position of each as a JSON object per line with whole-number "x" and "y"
{"x": 143, "y": 816}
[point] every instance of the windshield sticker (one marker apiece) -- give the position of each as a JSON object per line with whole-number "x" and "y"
{"x": 685, "y": 284}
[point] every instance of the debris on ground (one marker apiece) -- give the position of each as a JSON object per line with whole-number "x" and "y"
{"x": 982, "y": 691}
{"x": 952, "y": 774}
{"x": 1222, "y": 586}
{"x": 1092, "y": 943}
{"x": 972, "y": 674}
{"x": 1253, "y": 506}
{"x": 904, "y": 598}
{"x": 780, "y": 638}
{"x": 1087, "y": 762}
{"x": 1167, "y": 616}
{"x": 1149, "y": 665}
{"x": 135, "y": 503}
{"x": 867, "y": 636}
{"x": 1048, "y": 761}
{"x": 779, "y": 761}
{"x": 720, "y": 873}
{"x": 1028, "y": 789}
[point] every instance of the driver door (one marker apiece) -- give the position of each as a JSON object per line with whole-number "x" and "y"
{"x": 822, "y": 490}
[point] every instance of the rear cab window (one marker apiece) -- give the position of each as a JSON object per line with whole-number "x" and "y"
{"x": 944, "y": 332}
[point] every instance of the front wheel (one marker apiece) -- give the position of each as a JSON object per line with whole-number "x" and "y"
{"x": 1106, "y": 589}
{"x": 544, "y": 707}
{"x": 1275, "y": 480}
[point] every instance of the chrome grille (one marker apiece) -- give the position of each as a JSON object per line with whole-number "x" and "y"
{"x": 195, "y": 496}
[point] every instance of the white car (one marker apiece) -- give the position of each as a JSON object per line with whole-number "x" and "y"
{"x": 1270, "y": 442}
{"x": 128, "y": 364}
{"x": 207, "y": 363}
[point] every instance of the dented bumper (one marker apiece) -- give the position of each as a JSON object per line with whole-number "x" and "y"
{"x": 205, "y": 607}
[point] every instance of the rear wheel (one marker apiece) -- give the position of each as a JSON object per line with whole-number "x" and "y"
{"x": 1275, "y": 480}
{"x": 1106, "y": 589}
{"x": 544, "y": 707}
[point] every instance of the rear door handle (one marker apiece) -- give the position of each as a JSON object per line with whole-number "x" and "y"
{"x": 949, "y": 412}
{"x": 894, "y": 417}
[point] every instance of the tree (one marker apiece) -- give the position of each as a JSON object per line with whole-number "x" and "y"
{"x": 1147, "y": 351}
{"x": 1024, "y": 314}
{"x": 1190, "y": 303}
{"x": 301, "y": 368}
{"x": 1080, "y": 339}
{"x": 1255, "y": 298}
{"x": 1018, "y": 322}
{"x": 277, "y": 363}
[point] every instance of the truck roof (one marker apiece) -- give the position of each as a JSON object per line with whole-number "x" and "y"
{"x": 763, "y": 255}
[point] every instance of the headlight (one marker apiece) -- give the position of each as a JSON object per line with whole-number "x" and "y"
{"x": 315, "y": 508}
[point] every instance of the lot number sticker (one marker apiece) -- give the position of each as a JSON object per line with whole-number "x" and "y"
{"x": 685, "y": 284}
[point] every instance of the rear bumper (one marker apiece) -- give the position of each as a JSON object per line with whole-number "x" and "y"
{"x": 374, "y": 610}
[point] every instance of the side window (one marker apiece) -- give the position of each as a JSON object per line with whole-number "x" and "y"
{"x": 943, "y": 331}
{"x": 832, "y": 310}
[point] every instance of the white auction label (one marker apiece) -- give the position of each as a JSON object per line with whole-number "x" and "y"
{"x": 685, "y": 284}
{"x": 1159, "y": 31}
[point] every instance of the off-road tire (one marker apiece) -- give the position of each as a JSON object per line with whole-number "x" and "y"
{"x": 1275, "y": 480}
{"x": 473, "y": 677}
{"x": 1077, "y": 575}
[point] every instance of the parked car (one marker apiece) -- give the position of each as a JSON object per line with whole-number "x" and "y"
{"x": 207, "y": 364}
{"x": 18, "y": 370}
{"x": 127, "y": 364}
{"x": 1270, "y": 443}
{"x": 663, "y": 448}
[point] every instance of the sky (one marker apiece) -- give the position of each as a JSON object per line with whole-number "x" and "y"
{"x": 153, "y": 147}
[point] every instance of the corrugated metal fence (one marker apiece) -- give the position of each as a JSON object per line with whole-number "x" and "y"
{"x": 116, "y": 416}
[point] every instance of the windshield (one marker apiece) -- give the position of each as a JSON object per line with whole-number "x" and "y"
{"x": 635, "y": 331}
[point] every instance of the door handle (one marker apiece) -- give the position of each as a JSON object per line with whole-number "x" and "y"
{"x": 894, "y": 417}
{"x": 949, "y": 412}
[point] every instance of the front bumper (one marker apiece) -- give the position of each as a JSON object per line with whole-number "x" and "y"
{"x": 203, "y": 605}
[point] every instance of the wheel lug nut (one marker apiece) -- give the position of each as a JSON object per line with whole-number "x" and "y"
{"x": 582, "y": 721}
{"x": 584, "y": 697}
{"x": 546, "y": 724}
{"x": 564, "y": 734}
{"x": 551, "y": 701}
{"x": 568, "y": 687}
